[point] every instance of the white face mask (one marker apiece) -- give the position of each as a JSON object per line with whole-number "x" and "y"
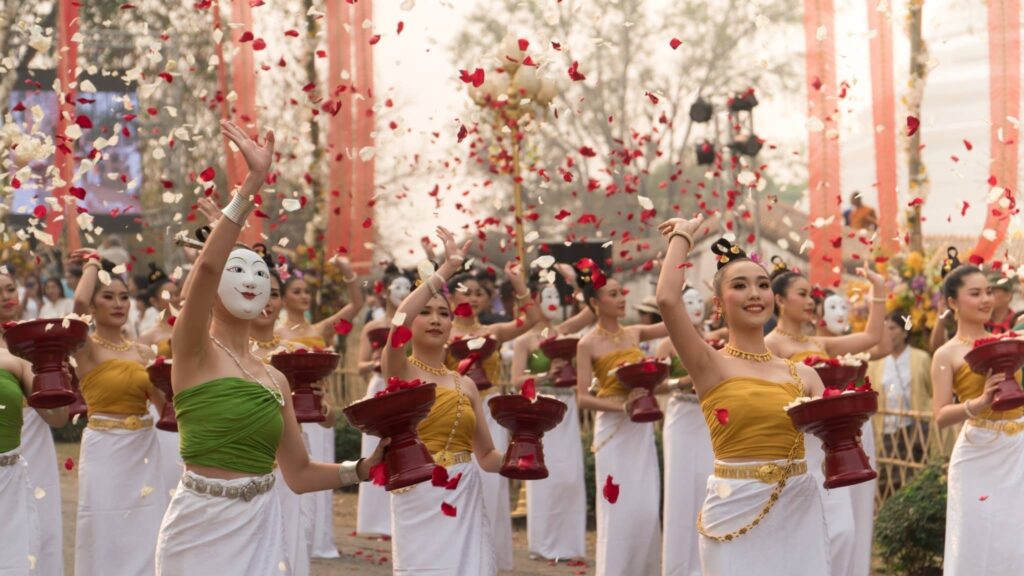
{"x": 245, "y": 285}
{"x": 398, "y": 289}
{"x": 550, "y": 302}
{"x": 836, "y": 314}
{"x": 694, "y": 302}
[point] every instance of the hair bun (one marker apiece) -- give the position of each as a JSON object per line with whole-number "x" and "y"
{"x": 951, "y": 262}
{"x": 589, "y": 275}
{"x": 156, "y": 274}
{"x": 727, "y": 252}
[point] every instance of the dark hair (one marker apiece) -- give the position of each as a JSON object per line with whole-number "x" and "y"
{"x": 590, "y": 278}
{"x": 726, "y": 253}
{"x": 782, "y": 278}
{"x": 393, "y": 272}
{"x": 462, "y": 278}
{"x": 264, "y": 253}
{"x": 108, "y": 267}
{"x": 954, "y": 280}
{"x": 154, "y": 281}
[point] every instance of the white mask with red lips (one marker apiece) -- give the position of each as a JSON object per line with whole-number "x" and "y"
{"x": 245, "y": 284}
{"x": 398, "y": 289}
{"x": 550, "y": 302}
{"x": 693, "y": 301}
{"x": 836, "y": 314}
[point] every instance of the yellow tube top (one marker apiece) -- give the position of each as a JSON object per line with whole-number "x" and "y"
{"x": 116, "y": 387}
{"x": 437, "y": 426}
{"x": 801, "y": 356}
{"x": 968, "y": 385}
{"x": 490, "y": 364}
{"x": 755, "y": 425}
{"x": 610, "y": 386}
{"x": 310, "y": 341}
{"x": 163, "y": 348}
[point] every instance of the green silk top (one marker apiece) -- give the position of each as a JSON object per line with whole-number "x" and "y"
{"x": 11, "y": 401}
{"x": 538, "y": 362}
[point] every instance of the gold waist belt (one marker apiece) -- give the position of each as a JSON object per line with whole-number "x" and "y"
{"x": 245, "y": 492}
{"x": 9, "y": 459}
{"x": 447, "y": 459}
{"x": 1008, "y": 427}
{"x": 769, "y": 473}
{"x": 126, "y": 423}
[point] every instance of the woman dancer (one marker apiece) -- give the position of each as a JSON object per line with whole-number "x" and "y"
{"x": 471, "y": 301}
{"x": 454, "y": 432}
{"x": 556, "y": 507}
{"x": 689, "y": 460}
{"x": 33, "y": 502}
{"x": 296, "y": 299}
{"x": 373, "y": 514}
{"x": 850, "y": 548}
{"x": 625, "y": 455}
{"x": 984, "y": 508}
{"x": 122, "y": 495}
{"x": 234, "y": 411}
{"x": 760, "y": 502}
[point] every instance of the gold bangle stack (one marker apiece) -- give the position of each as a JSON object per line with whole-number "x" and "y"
{"x": 685, "y": 235}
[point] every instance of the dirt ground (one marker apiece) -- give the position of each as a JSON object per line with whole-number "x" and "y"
{"x": 359, "y": 555}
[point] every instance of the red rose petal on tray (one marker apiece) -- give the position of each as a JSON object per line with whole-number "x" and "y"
{"x": 610, "y": 490}
{"x": 400, "y": 336}
{"x": 440, "y": 477}
{"x": 529, "y": 389}
{"x": 722, "y": 414}
{"x": 448, "y": 510}
{"x": 342, "y": 327}
{"x": 379, "y": 474}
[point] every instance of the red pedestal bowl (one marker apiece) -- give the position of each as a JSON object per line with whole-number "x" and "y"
{"x": 839, "y": 377}
{"x": 644, "y": 374}
{"x": 47, "y": 343}
{"x": 303, "y": 369}
{"x": 78, "y": 407}
{"x": 160, "y": 376}
{"x": 562, "y": 349}
{"x": 396, "y": 415}
{"x": 837, "y": 422}
{"x": 471, "y": 361}
{"x": 378, "y": 337}
{"x": 527, "y": 422}
{"x": 1001, "y": 357}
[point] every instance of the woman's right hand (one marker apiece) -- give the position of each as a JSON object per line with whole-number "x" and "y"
{"x": 634, "y": 394}
{"x": 683, "y": 226}
{"x": 257, "y": 158}
{"x": 992, "y": 382}
{"x": 453, "y": 255}
{"x": 82, "y": 254}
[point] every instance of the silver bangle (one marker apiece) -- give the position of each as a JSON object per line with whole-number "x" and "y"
{"x": 348, "y": 472}
{"x": 238, "y": 209}
{"x": 967, "y": 410}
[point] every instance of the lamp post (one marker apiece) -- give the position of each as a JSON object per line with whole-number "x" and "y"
{"x": 513, "y": 94}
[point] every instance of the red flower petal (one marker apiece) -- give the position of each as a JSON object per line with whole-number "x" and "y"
{"x": 722, "y": 414}
{"x": 523, "y": 44}
{"x": 448, "y": 510}
{"x": 983, "y": 498}
{"x": 77, "y": 192}
{"x": 454, "y": 482}
{"x": 912, "y": 125}
{"x": 574, "y": 72}
{"x": 476, "y": 78}
{"x": 610, "y": 490}
{"x": 400, "y": 335}
{"x": 342, "y": 327}
{"x": 675, "y": 43}
{"x": 379, "y": 473}
{"x": 259, "y": 44}
{"x": 529, "y": 389}
{"x": 69, "y": 464}
{"x": 562, "y": 214}
{"x": 39, "y": 211}
{"x": 83, "y": 121}
{"x": 208, "y": 174}
{"x": 439, "y": 477}
{"x": 968, "y": 145}
{"x": 463, "y": 310}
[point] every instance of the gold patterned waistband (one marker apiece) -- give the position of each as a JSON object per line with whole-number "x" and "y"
{"x": 126, "y": 423}
{"x": 447, "y": 459}
{"x": 769, "y": 472}
{"x": 9, "y": 459}
{"x": 1008, "y": 427}
{"x": 216, "y": 488}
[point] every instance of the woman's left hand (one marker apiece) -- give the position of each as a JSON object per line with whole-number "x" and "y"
{"x": 877, "y": 280}
{"x": 258, "y": 158}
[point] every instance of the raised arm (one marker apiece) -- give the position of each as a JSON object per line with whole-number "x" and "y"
{"x": 505, "y": 331}
{"x": 393, "y": 360}
{"x": 695, "y": 353}
{"x": 520, "y": 354}
{"x": 872, "y": 334}
{"x": 651, "y": 331}
{"x": 90, "y": 262}
{"x": 366, "y": 360}
{"x": 355, "y": 300}
{"x": 189, "y": 335}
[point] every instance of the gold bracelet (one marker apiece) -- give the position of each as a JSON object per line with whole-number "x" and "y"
{"x": 521, "y": 297}
{"x": 686, "y": 235}
{"x": 967, "y": 410}
{"x": 349, "y": 279}
{"x": 92, "y": 263}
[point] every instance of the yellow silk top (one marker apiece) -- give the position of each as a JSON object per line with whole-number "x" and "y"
{"x": 968, "y": 385}
{"x": 116, "y": 387}
{"x": 490, "y": 364}
{"x": 310, "y": 341}
{"x": 163, "y": 348}
{"x": 755, "y": 423}
{"x": 437, "y": 426}
{"x": 799, "y": 357}
{"x": 610, "y": 386}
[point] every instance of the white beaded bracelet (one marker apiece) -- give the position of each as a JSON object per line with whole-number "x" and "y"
{"x": 238, "y": 210}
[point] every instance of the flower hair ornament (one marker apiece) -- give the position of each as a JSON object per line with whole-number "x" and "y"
{"x": 588, "y": 272}
{"x": 727, "y": 252}
{"x": 156, "y": 274}
{"x": 951, "y": 262}
{"x": 779, "y": 264}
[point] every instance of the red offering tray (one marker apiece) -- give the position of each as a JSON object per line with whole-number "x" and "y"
{"x": 1001, "y": 357}
{"x": 837, "y": 422}
{"x": 160, "y": 375}
{"x": 644, "y": 374}
{"x": 527, "y": 422}
{"x": 46, "y": 343}
{"x": 303, "y": 369}
{"x": 79, "y": 407}
{"x": 378, "y": 337}
{"x": 395, "y": 415}
{"x": 562, "y": 349}
{"x": 471, "y": 361}
{"x": 839, "y": 377}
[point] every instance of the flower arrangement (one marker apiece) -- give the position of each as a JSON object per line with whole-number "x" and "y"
{"x": 844, "y": 360}
{"x": 397, "y": 385}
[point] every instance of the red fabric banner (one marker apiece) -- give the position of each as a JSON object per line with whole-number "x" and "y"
{"x": 340, "y": 138}
{"x": 243, "y": 77}
{"x": 823, "y": 143}
{"x": 883, "y": 105}
{"x": 67, "y": 60}
{"x": 361, "y": 225}
{"x": 1004, "y": 103}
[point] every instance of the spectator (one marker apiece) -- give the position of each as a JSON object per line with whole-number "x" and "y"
{"x": 862, "y": 217}
{"x": 55, "y": 304}
{"x": 28, "y": 293}
{"x": 1002, "y": 295}
{"x": 649, "y": 314}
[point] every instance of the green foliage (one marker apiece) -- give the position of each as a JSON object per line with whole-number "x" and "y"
{"x": 347, "y": 442}
{"x": 910, "y": 529}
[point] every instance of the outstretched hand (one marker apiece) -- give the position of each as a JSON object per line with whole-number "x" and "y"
{"x": 681, "y": 225}
{"x": 452, "y": 253}
{"x": 258, "y": 158}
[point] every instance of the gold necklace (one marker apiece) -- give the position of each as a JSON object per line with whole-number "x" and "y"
{"x": 966, "y": 340}
{"x": 445, "y": 457}
{"x": 274, "y": 389}
{"x": 266, "y": 344}
{"x": 613, "y": 336}
{"x": 444, "y": 371}
{"x": 744, "y": 355}
{"x": 123, "y": 346}
{"x": 798, "y": 337}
